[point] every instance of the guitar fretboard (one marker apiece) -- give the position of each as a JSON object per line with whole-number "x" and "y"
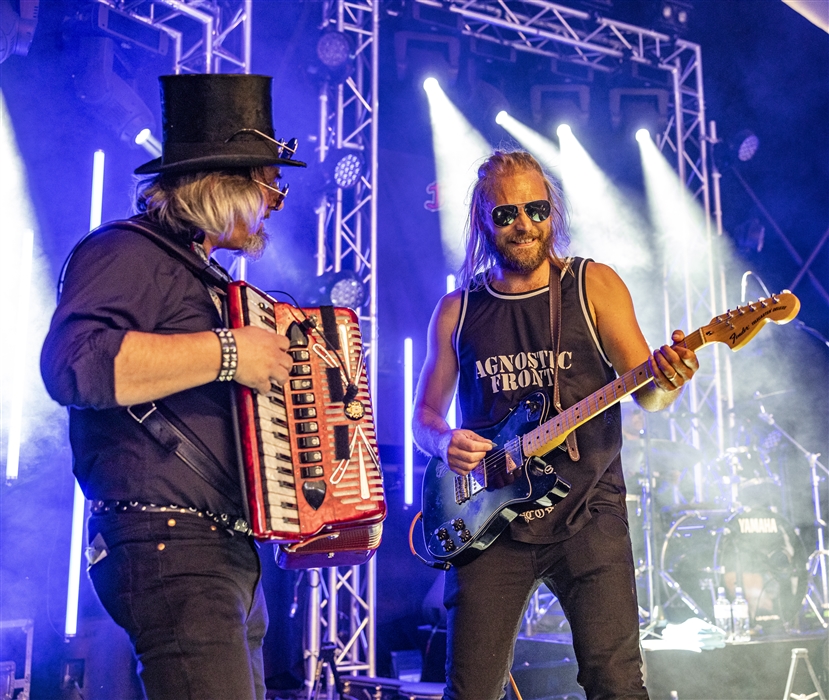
{"x": 553, "y": 432}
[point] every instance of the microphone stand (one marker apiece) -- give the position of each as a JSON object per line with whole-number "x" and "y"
{"x": 818, "y": 558}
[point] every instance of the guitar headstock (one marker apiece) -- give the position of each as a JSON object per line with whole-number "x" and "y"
{"x": 736, "y": 327}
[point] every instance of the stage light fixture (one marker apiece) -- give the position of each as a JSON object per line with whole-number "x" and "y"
{"x": 431, "y": 84}
{"x": 343, "y": 168}
{"x": 129, "y": 28}
{"x": 333, "y": 49}
{"x": 569, "y": 103}
{"x": 148, "y": 142}
{"x": 564, "y": 131}
{"x": 501, "y": 117}
{"x": 418, "y": 54}
{"x": 639, "y": 108}
{"x": 17, "y": 29}
{"x": 486, "y": 102}
{"x": 108, "y": 96}
{"x": 643, "y": 135}
{"x": 348, "y": 169}
{"x": 334, "y": 59}
{"x": 674, "y": 15}
{"x": 746, "y": 143}
{"x": 345, "y": 288}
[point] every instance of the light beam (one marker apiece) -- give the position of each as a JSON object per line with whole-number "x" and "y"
{"x": 458, "y": 149}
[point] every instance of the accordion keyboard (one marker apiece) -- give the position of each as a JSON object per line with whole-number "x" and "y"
{"x": 309, "y": 448}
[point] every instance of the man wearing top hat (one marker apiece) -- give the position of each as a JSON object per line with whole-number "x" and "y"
{"x": 139, "y": 352}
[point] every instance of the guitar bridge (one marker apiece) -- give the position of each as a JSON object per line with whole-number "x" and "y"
{"x": 468, "y": 485}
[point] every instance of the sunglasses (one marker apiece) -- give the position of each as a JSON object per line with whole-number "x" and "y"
{"x": 280, "y": 194}
{"x": 505, "y": 214}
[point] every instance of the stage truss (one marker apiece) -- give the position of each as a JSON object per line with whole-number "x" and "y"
{"x": 207, "y": 36}
{"x": 342, "y": 604}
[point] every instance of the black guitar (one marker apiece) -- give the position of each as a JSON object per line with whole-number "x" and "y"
{"x": 464, "y": 514}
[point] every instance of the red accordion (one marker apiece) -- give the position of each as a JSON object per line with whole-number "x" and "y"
{"x": 309, "y": 449}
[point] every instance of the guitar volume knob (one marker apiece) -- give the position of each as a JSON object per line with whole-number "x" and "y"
{"x": 465, "y": 536}
{"x": 458, "y": 524}
{"x": 443, "y": 534}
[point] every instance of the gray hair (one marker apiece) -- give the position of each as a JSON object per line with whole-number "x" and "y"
{"x": 500, "y": 164}
{"x": 210, "y": 201}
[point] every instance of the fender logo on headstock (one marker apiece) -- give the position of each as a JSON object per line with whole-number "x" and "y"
{"x": 736, "y": 336}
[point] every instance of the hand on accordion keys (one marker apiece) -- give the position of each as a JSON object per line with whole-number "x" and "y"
{"x": 263, "y": 358}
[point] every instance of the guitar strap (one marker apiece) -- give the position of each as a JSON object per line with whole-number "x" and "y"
{"x": 555, "y": 336}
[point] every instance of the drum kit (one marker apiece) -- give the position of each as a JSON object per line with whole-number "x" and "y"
{"x": 700, "y": 524}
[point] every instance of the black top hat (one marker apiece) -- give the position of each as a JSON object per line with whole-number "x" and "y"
{"x": 217, "y": 121}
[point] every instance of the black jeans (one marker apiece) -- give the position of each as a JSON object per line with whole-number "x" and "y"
{"x": 187, "y": 592}
{"x": 591, "y": 574}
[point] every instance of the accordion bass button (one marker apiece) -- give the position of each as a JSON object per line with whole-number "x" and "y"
{"x": 354, "y": 410}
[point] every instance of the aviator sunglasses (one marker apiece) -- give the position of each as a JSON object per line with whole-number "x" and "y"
{"x": 505, "y": 214}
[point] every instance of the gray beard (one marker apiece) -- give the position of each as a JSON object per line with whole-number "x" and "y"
{"x": 255, "y": 244}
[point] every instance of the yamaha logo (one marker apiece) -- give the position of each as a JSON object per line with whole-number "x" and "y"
{"x": 757, "y": 526}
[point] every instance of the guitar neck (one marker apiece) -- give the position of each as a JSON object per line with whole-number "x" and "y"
{"x": 553, "y": 432}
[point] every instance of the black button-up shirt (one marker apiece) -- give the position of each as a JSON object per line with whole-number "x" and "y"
{"x": 118, "y": 281}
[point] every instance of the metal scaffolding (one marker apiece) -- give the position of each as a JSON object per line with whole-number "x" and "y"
{"x": 341, "y": 608}
{"x": 208, "y": 36}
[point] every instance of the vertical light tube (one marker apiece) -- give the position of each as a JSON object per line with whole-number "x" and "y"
{"x": 452, "y": 416}
{"x": 408, "y": 440}
{"x": 70, "y": 628}
{"x": 96, "y": 203}
{"x": 18, "y": 378}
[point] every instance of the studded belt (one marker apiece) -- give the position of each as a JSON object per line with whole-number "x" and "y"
{"x": 234, "y": 523}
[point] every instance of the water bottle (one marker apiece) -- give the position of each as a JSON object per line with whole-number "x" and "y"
{"x": 722, "y": 613}
{"x": 739, "y": 613}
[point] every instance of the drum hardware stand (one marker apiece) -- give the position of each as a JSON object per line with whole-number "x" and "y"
{"x": 797, "y": 655}
{"x": 652, "y": 612}
{"x": 539, "y": 605}
{"x": 327, "y": 657}
{"x": 818, "y": 558}
{"x": 673, "y": 584}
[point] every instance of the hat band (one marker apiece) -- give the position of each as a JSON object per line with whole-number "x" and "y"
{"x": 178, "y": 152}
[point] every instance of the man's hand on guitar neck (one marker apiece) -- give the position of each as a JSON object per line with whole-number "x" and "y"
{"x": 672, "y": 366}
{"x": 462, "y": 450}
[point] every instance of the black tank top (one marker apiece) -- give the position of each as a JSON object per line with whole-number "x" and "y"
{"x": 505, "y": 352}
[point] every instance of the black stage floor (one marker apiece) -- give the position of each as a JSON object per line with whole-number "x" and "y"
{"x": 545, "y": 669}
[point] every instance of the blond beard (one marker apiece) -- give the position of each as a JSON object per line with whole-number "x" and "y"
{"x": 506, "y": 259}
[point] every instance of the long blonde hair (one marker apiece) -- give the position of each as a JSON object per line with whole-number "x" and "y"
{"x": 501, "y": 164}
{"x": 210, "y": 201}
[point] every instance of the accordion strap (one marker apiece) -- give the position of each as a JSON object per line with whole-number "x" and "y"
{"x": 210, "y": 273}
{"x": 174, "y": 440}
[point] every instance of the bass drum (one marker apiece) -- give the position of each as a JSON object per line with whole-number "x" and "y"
{"x": 753, "y": 548}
